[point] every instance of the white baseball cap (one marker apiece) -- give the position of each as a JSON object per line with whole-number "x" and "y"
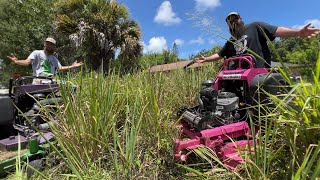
{"x": 49, "y": 39}
{"x": 232, "y": 13}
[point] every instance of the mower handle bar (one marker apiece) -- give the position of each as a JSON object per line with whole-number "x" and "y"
{"x": 248, "y": 58}
{"x": 21, "y": 79}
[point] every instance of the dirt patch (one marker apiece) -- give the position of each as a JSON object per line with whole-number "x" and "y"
{"x": 4, "y": 155}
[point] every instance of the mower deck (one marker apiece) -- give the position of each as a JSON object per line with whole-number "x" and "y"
{"x": 220, "y": 139}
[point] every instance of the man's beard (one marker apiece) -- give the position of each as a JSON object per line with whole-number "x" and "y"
{"x": 50, "y": 51}
{"x": 238, "y": 31}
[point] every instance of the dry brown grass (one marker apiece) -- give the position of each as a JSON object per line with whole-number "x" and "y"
{"x": 4, "y": 155}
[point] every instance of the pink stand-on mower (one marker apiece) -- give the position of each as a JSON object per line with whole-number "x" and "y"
{"x": 220, "y": 121}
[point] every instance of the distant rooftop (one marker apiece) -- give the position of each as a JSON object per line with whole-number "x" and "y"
{"x": 177, "y": 65}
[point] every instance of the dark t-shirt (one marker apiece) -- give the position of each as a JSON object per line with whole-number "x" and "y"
{"x": 253, "y": 39}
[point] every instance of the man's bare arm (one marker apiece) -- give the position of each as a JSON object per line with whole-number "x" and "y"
{"x": 15, "y": 60}
{"x": 74, "y": 65}
{"x": 211, "y": 58}
{"x": 306, "y": 31}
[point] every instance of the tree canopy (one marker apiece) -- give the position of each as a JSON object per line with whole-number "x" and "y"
{"x": 23, "y": 26}
{"x": 298, "y": 50}
{"x": 99, "y": 29}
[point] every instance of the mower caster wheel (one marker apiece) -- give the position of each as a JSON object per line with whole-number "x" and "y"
{"x": 35, "y": 164}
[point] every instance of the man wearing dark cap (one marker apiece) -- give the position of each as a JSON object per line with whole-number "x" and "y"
{"x": 44, "y": 63}
{"x": 253, "y": 36}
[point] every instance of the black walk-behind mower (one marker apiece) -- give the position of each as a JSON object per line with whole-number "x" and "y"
{"x": 223, "y": 110}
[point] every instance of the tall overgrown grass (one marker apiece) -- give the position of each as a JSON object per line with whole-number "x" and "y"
{"x": 123, "y": 127}
{"x": 299, "y": 127}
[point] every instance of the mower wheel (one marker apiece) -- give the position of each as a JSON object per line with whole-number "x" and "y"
{"x": 35, "y": 164}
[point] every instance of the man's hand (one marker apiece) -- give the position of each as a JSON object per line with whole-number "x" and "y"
{"x": 200, "y": 59}
{"x": 77, "y": 64}
{"x": 73, "y": 65}
{"x": 13, "y": 58}
{"x": 308, "y": 31}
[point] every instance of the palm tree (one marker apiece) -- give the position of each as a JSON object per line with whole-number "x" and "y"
{"x": 99, "y": 28}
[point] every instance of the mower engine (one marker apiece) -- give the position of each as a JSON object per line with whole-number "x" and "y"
{"x": 215, "y": 108}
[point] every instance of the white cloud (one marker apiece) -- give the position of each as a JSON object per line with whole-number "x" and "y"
{"x": 165, "y": 15}
{"x": 156, "y": 44}
{"x": 205, "y": 22}
{"x": 179, "y": 42}
{"x": 202, "y": 5}
{"x": 198, "y": 41}
{"x": 314, "y": 22}
{"x": 212, "y": 41}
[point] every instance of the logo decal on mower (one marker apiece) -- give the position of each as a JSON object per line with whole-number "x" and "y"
{"x": 232, "y": 76}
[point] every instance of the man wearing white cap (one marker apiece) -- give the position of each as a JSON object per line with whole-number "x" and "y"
{"x": 252, "y": 36}
{"x": 44, "y": 63}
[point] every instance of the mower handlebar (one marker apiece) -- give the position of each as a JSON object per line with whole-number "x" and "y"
{"x": 21, "y": 79}
{"x": 247, "y": 58}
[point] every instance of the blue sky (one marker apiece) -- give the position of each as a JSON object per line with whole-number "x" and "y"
{"x": 200, "y": 24}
